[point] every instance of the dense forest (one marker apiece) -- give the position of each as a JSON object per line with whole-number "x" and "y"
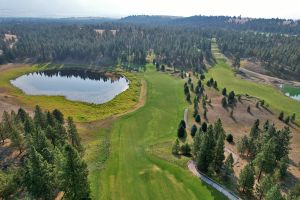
{"x": 126, "y": 44}
{"x": 182, "y": 43}
{"x": 50, "y": 157}
{"x": 279, "y": 53}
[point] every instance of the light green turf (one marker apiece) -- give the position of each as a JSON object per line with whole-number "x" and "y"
{"x": 81, "y": 112}
{"x": 225, "y": 77}
{"x": 132, "y": 170}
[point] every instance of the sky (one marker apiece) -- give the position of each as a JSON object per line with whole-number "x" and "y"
{"x": 120, "y": 8}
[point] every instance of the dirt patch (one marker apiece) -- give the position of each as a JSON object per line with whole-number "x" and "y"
{"x": 101, "y": 31}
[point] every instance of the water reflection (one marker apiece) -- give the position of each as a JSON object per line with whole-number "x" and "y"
{"x": 77, "y": 85}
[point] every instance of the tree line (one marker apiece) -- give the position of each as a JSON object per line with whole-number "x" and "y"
{"x": 51, "y": 156}
{"x": 46, "y": 42}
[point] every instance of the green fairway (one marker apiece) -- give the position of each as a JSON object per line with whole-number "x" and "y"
{"x": 132, "y": 172}
{"x": 225, "y": 77}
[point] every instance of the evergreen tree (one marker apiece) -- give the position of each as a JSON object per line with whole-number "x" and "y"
{"x": 204, "y": 127}
{"x": 224, "y": 92}
{"x": 73, "y": 135}
{"x": 224, "y": 102}
{"x": 75, "y": 174}
{"x": 265, "y": 160}
{"x": 186, "y": 149}
{"x": 38, "y": 176}
{"x": 181, "y": 131}
{"x": 243, "y": 145}
{"x": 228, "y": 165}
{"x": 281, "y": 116}
{"x": 176, "y": 147}
{"x": 246, "y": 178}
{"x": 274, "y": 193}
{"x": 197, "y": 142}
{"x": 193, "y": 130}
{"x": 264, "y": 186}
{"x": 219, "y": 154}
{"x": 204, "y": 155}
{"x": 17, "y": 139}
{"x": 231, "y": 98}
{"x": 39, "y": 117}
{"x": 198, "y": 118}
{"x": 58, "y": 116}
{"x": 254, "y": 133}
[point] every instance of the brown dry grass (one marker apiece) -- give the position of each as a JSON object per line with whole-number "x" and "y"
{"x": 241, "y": 124}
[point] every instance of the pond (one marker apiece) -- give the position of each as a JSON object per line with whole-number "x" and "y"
{"x": 75, "y": 85}
{"x": 291, "y": 91}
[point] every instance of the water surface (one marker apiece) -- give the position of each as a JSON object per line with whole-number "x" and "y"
{"x": 75, "y": 85}
{"x": 291, "y": 91}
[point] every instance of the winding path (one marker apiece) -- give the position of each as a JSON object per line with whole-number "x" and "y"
{"x": 230, "y": 195}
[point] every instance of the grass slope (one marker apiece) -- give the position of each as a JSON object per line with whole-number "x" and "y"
{"x": 132, "y": 171}
{"x": 81, "y": 112}
{"x": 225, "y": 77}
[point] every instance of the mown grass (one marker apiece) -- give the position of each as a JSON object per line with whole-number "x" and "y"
{"x": 134, "y": 170}
{"x": 81, "y": 112}
{"x": 225, "y": 77}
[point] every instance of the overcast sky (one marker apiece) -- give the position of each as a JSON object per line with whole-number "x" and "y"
{"x": 121, "y": 8}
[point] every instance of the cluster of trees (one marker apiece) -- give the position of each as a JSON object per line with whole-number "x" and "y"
{"x": 228, "y": 100}
{"x": 51, "y": 156}
{"x": 268, "y": 152}
{"x": 279, "y": 54}
{"x": 128, "y": 45}
{"x": 287, "y": 119}
{"x": 208, "y": 150}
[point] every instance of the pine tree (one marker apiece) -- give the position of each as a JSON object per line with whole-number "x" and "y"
{"x": 17, "y": 139}
{"x": 254, "y": 133}
{"x": 186, "y": 149}
{"x": 197, "y": 142}
{"x": 74, "y": 176}
{"x": 193, "y": 130}
{"x": 281, "y": 116}
{"x": 228, "y": 165}
{"x": 246, "y": 178}
{"x": 58, "y": 116}
{"x": 224, "y": 102}
{"x": 39, "y": 117}
{"x": 176, "y": 147}
{"x": 73, "y": 135}
{"x": 219, "y": 154}
{"x": 198, "y": 118}
{"x": 264, "y": 186}
{"x": 224, "y": 92}
{"x": 204, "y": 155}
{"x": 265, "y": 160}
{"x": 274, "y": 194}
{"x": 243, "y": 145}
{"x": 38, "y": 176}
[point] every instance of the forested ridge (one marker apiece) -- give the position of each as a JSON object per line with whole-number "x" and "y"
{"x": 178, "y": 42}
{"x": 125, "y": 44}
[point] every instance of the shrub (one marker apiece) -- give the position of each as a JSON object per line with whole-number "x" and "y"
{"x": 186, "y": 149}
{"x": 229, "y": 138}
{"x": 281, "y": 116}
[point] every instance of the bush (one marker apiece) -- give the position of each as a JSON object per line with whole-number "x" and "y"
{"x": 224, "y": 102}
{"x": 186, "y": 149}
{"x": 204, "y": 126}
{"x": 229, "y": 138}
{"x": 281, "y": 116}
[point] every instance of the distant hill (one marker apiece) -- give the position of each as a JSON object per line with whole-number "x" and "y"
{"x": 274, "y": 25}
{"x": 149, "y": 20}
